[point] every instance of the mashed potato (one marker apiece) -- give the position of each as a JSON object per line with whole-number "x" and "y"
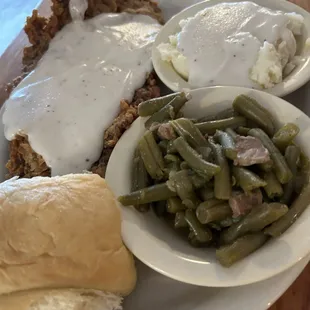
{"x": 235, "y": 44}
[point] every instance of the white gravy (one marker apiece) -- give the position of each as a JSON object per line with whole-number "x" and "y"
{"x": 74, "y": 93}
{"x": 221, "y": 43}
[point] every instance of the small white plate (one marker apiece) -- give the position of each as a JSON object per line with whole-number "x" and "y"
{"x": 157, "y": 246}
{"x": 175, "y": 82}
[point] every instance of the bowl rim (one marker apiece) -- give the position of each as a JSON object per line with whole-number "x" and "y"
{"x": 293, "y": 82}
{"x": 158, "y": 265}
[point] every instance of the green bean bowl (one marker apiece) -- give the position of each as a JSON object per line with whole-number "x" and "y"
{"x": 182, "y": 169}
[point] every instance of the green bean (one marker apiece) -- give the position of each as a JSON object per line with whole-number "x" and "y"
{"x": 201, "y": 211}
{"x": 184, "y": 165}
{"x": 171, "y": 168}
{"x": 154, "y": 148}
{"x": 181, "y": 184}
{"x": 285, "y": 136}
{"x": 232, "y": 133}
{"x": 194, "y": 160}
{"x": 216, "y": 213}
{"x": 207, "y": 204}
{"x": 226, "y": 222}
{"x": 202, "y": 234}
{"x": 205, "y": 152}
{"x": 179, "y": 220}
{"x": 259, "y": 217}
{"x": 194, "y": 242}
{"x": 140, "y": 178}
{"x": 206, "y": 193}
{"x": 251, "y": 124}
{"x": 292, "y": 154}
{"x": 303, "y": 172}
{"x": 159, "y": 207}
{"x": 266, "y": 167}
{"x": 179, "y": 181}
{"x": 273, "y": 187}
{"x": 186, "y": 129}
{"x": 227, "y": 255}
{"x": 170, "y": 158}
{"x": 262, "y": 108}
{"x": 206, "y": 118}
{"x": 168, "y": 112}
{"x": 149, "y": 107}
{"x": 146, "y": 195}
{"x": 174, "y": 205}
{"x": 222, "y": 182}
{"x": 215, "y": 226}
{"x": 228, "y": 144}
{"x": 151, "y": 156}
{"x": 211, "y": 126}
{"x": 281, "y": 168}
{"x": 247, "y": 179}
{"x": 303, "y": 162}
{"x": 243, "y": 131}
{"x": 297, "y": 208}
{"x": 197, "y": 180}
{"x": 170, "y": 148}
{"x": 254, "y": 112}
{"x": 163, "y": 144}
{"x": 227, "y": 113}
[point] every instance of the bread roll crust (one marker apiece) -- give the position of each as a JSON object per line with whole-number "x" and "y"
{"x": 62, "y": 232}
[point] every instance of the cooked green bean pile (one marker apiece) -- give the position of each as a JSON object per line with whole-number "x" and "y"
{"x": 229, "y": 181}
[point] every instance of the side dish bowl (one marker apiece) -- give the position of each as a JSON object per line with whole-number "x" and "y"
{"x": 155, "y": 244}
{"x": 296, "y": 79}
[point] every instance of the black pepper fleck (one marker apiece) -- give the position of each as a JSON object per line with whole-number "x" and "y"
{"x": 234, "y": 55}
{"x": 87, "y": 160}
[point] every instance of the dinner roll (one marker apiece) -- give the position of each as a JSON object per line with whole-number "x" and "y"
{"x": 62, "y": 232}
{"x": 60, "y": 300}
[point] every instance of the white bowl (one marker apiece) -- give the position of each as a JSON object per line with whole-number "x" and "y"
{"x": 166, "y": 72}
{"x": 156, "y": 245}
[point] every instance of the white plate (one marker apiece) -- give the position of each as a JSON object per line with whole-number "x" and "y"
{"x": 155, "y": 291}
{"x": 155, "y": 244}
{"x": 172, "y": 79}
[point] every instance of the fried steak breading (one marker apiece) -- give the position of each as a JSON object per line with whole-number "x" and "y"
{"x": 23, "y": 161}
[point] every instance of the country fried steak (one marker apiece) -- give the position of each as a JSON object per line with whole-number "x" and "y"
{"x": 23, "y": 161}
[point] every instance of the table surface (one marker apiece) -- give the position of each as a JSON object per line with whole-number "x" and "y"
{"x": 297, "y": 297}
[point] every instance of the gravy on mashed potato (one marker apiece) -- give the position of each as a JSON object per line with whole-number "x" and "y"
{"x": 240, "y": 44}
